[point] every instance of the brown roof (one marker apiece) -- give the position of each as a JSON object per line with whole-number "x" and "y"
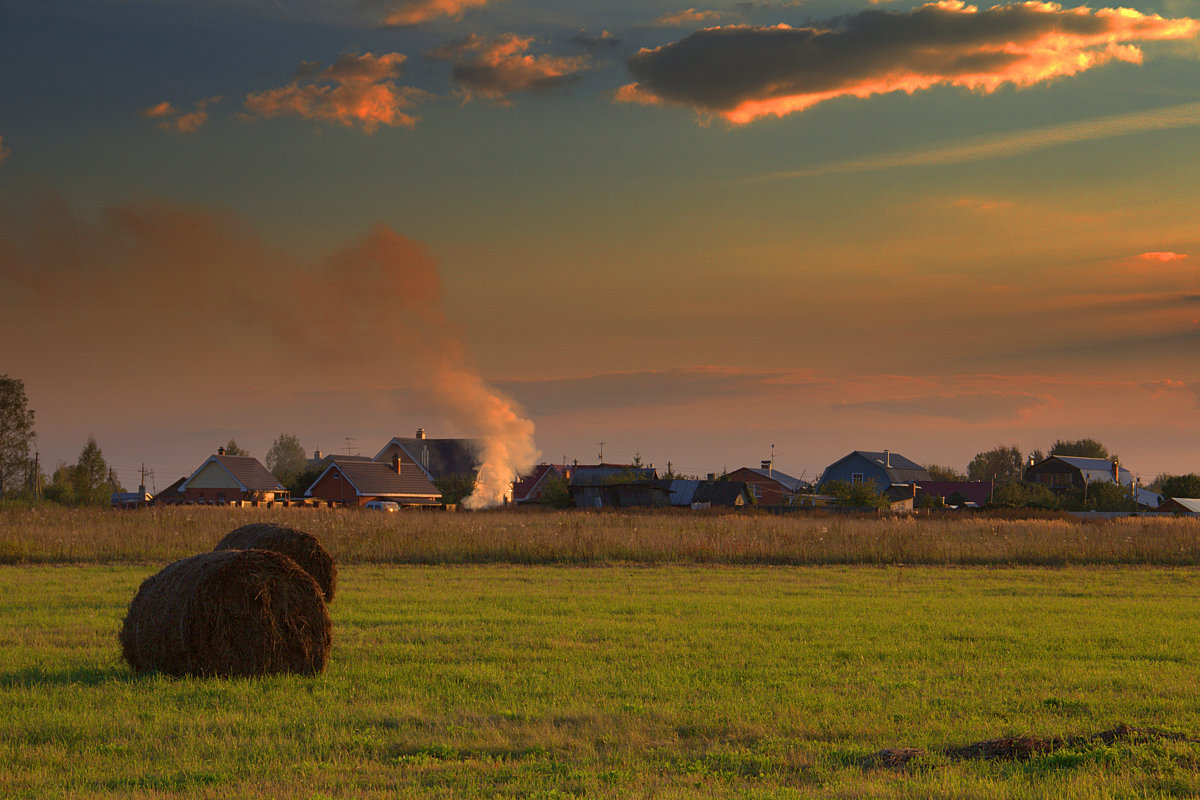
{"x": 376, "y": 479}
{"x": 247, "y": 471}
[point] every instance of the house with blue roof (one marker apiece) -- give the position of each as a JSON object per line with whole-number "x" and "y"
{"x": 884, "y": 469}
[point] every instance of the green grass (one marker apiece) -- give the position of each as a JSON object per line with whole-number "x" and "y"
{"x": 676, "y": 681}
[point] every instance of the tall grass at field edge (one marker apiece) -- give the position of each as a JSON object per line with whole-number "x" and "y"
{"x": 50, "y": 534}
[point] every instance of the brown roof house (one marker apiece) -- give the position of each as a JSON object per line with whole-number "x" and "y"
{"x": 769, "y": 486}
{"x": 225, "y": 479}
{"x": 358, "y": 481}
{"x": 531, "y": 488}
{"x": 437, "y": 458}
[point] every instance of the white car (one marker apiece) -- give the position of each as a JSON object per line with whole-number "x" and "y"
{"x": 382, "y": 505}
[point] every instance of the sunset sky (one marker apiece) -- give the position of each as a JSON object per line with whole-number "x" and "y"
{"x": 691, "y": 233}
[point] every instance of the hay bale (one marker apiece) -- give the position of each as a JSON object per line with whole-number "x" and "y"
{"x": 226, "y": 613}
{"x": 301, "y": 547}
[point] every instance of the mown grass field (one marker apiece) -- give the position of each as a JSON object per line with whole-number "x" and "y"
{"x": 622, "y": 655}
{"x": 671, "y": 681}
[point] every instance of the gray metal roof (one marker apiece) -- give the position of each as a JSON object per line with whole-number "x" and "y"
{"x": 1095, "y": 469}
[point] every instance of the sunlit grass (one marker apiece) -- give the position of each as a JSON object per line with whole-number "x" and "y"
{"x": 677, "y": 681}
{"x": 158, "y": 535}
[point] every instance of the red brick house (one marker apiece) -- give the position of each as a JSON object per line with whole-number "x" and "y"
{"x": 357, "y": 481}
{"x": 769, "y": 486}
{"x": 226, "y": 479}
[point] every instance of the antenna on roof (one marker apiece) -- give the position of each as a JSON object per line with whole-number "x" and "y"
{"x": 602, "y": 451}
{"x": 350, "y": 445}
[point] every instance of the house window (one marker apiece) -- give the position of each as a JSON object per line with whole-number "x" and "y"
{"x": 756, "y": 490}
{"x": 856, "y": 477}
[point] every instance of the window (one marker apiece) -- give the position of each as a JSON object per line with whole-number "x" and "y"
{"x": 856, "y": 477}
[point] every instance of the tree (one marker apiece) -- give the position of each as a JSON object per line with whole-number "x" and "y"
{"x": 232, "y": 449}
{"x": 556, "y": 493}
{"x": 1179, "y": 485}
{"x": 16, "y": 436}
{"x": 454, "y": 488}
{"x": 938, "y": 472}
{"x": 92, "y": 481}
{"x": 1100, "y": 496}
{"x": 1003, "y": 464}
{"x": 855, "y": 495}
{"x": 1021, "y": 494}
{"x": 286, "y": 458}
{"x": 1081, "y": 448}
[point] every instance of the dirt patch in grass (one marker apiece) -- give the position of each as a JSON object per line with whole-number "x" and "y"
{"x": 1021, "y": 747}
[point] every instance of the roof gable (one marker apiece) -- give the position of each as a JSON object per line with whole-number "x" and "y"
{"x": 439, "y": 458}
{"x": 242, "y": 472}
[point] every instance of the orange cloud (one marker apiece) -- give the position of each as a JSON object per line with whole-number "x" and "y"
{"x": 689, "y": 16}
{"x": 1162, "y": 257}
{"x": 744, "y": 72}
{"x": 406, "y": 13}
{"x": 500, "y": 66}
{"x": 357, "y": 90}
{"x": 172, "y": 119}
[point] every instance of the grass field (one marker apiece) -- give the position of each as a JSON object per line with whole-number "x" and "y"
{"x": 624, "y": 681}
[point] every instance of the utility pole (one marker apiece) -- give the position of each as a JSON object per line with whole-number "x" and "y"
{"x": 602, "y": 451}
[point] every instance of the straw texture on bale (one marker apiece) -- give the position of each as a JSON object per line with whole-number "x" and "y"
{"x": 228, "y": 613}
{"x": 301, "y": 547}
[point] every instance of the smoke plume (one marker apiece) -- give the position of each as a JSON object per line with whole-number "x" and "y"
{"x": 220, "y": 318}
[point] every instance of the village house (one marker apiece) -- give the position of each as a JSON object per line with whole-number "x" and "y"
{"x": 532, "y": 487}
{"x": 227, "y": 479}
{"x": 618, "y": 486}
{"x": 769, "y": 486}
{"x": 1061, "y": 473}
{"x": 711, "y": 493}
{"x": 890, "y": 472}
{"x": 357, "y": 481}
{"x": 437, "y": 458}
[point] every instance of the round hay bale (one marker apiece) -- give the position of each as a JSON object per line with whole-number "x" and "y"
{"x": 226, "y": 613}
{"x": 301, "y": 547}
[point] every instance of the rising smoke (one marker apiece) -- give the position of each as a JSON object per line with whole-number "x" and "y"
{"x": 199, "y": 295}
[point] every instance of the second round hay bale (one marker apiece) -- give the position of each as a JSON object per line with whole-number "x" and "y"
{"x": 228, "y": 613}
{"x": 301, "y": 547}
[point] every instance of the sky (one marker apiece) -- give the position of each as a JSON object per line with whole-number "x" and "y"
{"x": 696, "y": 235}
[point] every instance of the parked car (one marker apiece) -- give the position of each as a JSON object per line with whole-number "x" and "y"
{"x": 382, "y": 505}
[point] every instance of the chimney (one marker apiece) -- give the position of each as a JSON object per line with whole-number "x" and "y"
{"x": 220, "y": 451}
{"x": 420, "y": 433}
{"x": 767, "y": 465}
{"x": 1116, "y": 472}
{"x": 396, "y": 463}
{"x": 318, "y": 455}
{"x": 887, "y": 458}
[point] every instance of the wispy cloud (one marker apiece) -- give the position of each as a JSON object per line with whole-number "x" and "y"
{"x": 407, "y": 13}
{"x": 689, "y": 16}
{"x": 500, "y": 66}
{"x": 1162, "y": 256}
{"x": 1011, "y": 144}
{"x": 743, "y": 72}
{"x": 170, "y": 118}
{"x": 356, "y": 91}
{"x": 970, "y": 408}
